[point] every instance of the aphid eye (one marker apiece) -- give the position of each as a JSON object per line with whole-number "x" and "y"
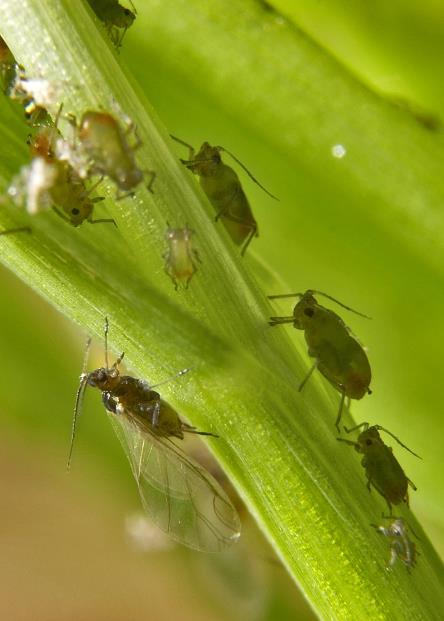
{"x": 309, "y": 312}
{"x": 127, "y": 12}
{"x": 75, "y": 211}
{"x": 369, "y": 442}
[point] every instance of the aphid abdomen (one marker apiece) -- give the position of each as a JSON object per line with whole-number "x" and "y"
{"x": 386, "y": 475}
{"x": 357, "y": 376}
{"x": 225, "y": 193}
{"x": 103, "y": 139}
{"x": 180, "y": 263}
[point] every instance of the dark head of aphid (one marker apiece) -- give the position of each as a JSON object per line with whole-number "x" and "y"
{"x": 103, "y": 379}
{"x": 369, "y": 440}
{"x": 207, "y": 161}
{"x": 123, "y": 18}
{"x": 79, "y": 212}
{"x": 305, "y": 311}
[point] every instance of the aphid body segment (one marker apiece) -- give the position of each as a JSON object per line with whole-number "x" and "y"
{"x": 103, "y": 149}
{"x": 224, "y": 191}
{"x": 178, "y": 495}
{"x": 382, "y": 469}
{"x": 338, "y": 355}
{"x": 115, "y": 17}
{"x": 181, "y": 257}
{"x": 401, "y": 546}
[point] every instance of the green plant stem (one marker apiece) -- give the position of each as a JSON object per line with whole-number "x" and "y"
{"x": 306, "y": 490}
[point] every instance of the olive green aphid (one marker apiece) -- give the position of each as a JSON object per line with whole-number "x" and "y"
{"x": 116, "y": 18}
{"x": 382, "y": 469}
{"x": 224, "y": 191}
{"x": 401, "y": 546}
{"x": 180, "y": 496}
{"x": 338, "y": 355}
{"x": 181, "y": 258}
{"x": 105, "y": 143}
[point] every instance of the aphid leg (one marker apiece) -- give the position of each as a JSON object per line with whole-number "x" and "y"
{"x": 412, "y": 485}
{"x": 253, "y": 233}
{"x": 101, "y": 220}
{"x": 172, "y": 377}
{"x": 341, "y": 407}
{"x": 19, "y": 229}
{"x": 307, "y": 377}
{"x": 61, "y": 215}
{"x": 275, "y": 321}
{"x": 365, "y": 425}
{"x": 153, "y": 176}
{"x": 350, "y": 442}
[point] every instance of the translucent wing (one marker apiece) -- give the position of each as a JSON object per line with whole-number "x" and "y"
{"x": 178, "y": 495}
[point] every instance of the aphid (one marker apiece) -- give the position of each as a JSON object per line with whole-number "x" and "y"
{"x": 178, "y": 495}
{"x": 382, "y": 469}
{"x": 338, "y": 355}
{"x": 53, "y": 184}
{"x": 224, "y": 191}
{"x": 48, "y": 182}
{"x": 401, "y": 546}
{"x": 115, "y": 18}
{"x": 181, "y": 257}
{"x": 103, "y": 149}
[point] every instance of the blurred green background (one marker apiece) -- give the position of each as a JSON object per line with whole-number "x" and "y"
{"x": 63, "y": 536}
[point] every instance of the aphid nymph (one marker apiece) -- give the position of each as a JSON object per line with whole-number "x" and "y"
{"x": 338, "y": 355}
{"x": 181, "y": 257}
{"x": 224, "y": 191}
{"x": 103, "y": 141}
{"x": 401, "y": 546}
{"x": 177, "y": 493}
{"x": 382, "y": 469}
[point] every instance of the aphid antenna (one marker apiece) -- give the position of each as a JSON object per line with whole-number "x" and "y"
{"x": 248, "y": 172}
{"x": 397, "y": 440}
{"x": 79, "y": 399}
{"x": 133, "y": 7}
{"x": 285, "y": 295}
{"x": 106, "y": 342}
{"x": 173, "y": 377}
{"x": 338, "y": 302}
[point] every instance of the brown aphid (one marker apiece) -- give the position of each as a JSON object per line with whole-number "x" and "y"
{"x": 181, "y": 257}
{"x": 177, "y": 494}
{"x": 382, "y": 469}
{"x": 338, "y": 355}
{"x": 105, "y": 143}
{"x": 224, "y": 191}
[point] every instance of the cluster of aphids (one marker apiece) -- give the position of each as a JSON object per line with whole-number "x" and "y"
{"x": 178, "y": 494}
